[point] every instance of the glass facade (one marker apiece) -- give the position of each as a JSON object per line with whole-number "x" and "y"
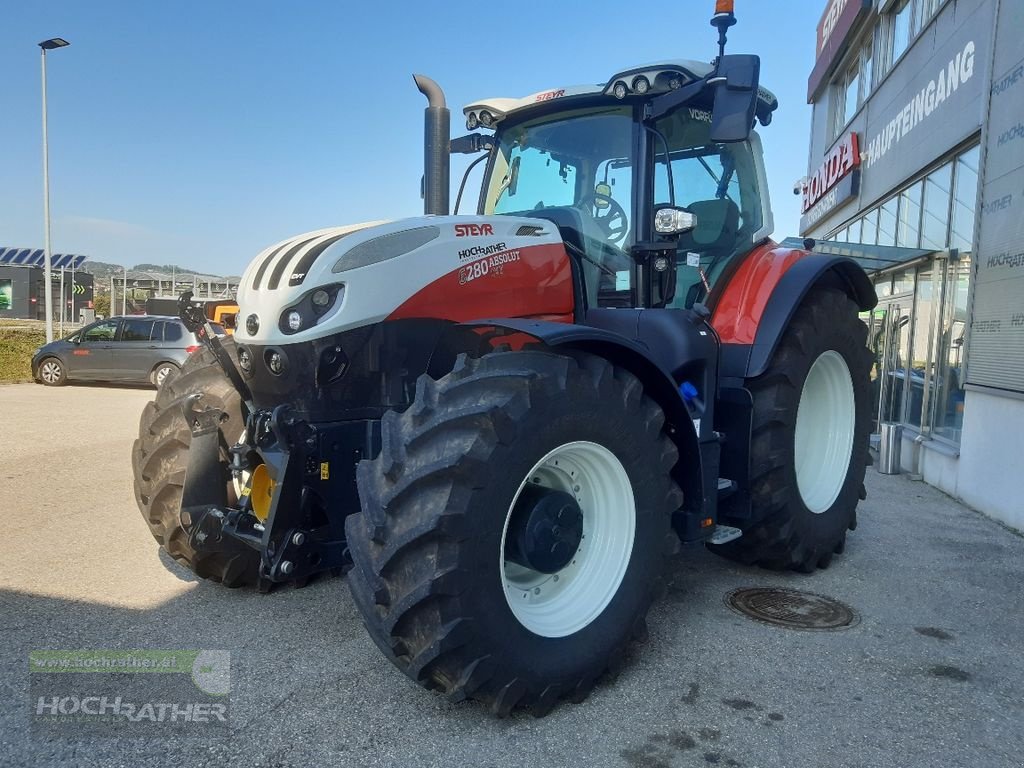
{"x": 917, "y": 332}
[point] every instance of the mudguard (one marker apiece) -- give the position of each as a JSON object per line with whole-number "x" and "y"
{"x": 699, "y": 483}
{"x": 745, "y": 361}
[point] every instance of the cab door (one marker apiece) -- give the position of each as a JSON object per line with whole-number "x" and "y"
{"x": 92, "y": 357}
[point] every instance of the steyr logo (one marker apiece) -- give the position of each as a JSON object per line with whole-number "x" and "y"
{"x": 473, "y": 230}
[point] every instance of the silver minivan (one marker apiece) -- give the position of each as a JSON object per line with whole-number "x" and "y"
{"x": 131, "y": 349}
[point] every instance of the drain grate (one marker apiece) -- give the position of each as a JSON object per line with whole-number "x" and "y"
{"x": 791, "y": 608}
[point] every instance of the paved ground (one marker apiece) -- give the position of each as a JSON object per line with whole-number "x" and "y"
{"x": 930, "y": 676}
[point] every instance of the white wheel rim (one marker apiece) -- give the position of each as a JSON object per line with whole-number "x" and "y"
{"x": 50, "y": 371}
{"x": 161, "y": 374}
{"x": 560, "y": 604}
{"x": 825, "y": 422}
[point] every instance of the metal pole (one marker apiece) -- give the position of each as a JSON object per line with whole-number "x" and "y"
{"x": 63, "y": 301}
{"x": 74, "y": 317}
{"x": 124, "y": 294}
{"x": 113, "y": 297}
{"x": 48, "y": 287}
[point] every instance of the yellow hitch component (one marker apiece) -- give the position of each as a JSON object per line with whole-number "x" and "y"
{"x": 261, "y": 486}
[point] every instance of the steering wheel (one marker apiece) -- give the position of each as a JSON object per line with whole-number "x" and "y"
{"x": 614, "y": 224}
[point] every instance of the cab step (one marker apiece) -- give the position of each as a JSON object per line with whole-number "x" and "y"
{"x": 723, "y": 534}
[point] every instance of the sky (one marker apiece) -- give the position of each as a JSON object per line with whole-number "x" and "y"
{"x": 199, "y": 133}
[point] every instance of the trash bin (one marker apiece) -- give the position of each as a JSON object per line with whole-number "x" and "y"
{"x": 889, "y": 447}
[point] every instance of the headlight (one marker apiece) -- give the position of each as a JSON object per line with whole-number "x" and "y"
{"x": 309, "y": 309}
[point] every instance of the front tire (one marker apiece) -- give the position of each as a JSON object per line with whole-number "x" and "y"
{"x": 432, "y": 575}
{"x": 52, "y": 373}
{"x": 160, "y": 457}
{"x": 162, "y": 373}
{"x": 809, "y": 448}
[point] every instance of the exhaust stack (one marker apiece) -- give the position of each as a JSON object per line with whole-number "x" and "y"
{"x": 436, "y": 148}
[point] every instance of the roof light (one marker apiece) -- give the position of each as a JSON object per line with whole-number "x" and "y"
{"x": 472, "y": 123}
{"x": 724, "y": 6}
{"x": 675, "y": 83}
{"x": 641, "y": 85}
{"x": 620, "y": 90}
{"x": 486, "y": 119}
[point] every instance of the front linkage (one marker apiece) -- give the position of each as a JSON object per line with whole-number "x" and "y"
{"x": 288, "y": 524}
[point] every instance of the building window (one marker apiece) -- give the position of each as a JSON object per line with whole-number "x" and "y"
{"x": 935, "y": 220}
{"x": 908, "y": 231}
{"x": 869, "y": 228}
{"x": 887, "y": 222}
{"x": 895, "y": 33}
{"x": 901, "y": 29}
{"x": 852, "y": 88}
{"x": 948, "y": 407}
{"x": 961, "y": 235}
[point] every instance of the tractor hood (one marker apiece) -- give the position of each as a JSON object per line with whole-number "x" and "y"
{"x": 332, "y": 280}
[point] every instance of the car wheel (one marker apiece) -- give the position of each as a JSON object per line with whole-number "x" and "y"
{"x": 162, "y": 372}
{"x": 51, "y": 372}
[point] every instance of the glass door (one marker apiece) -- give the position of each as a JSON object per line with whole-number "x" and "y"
{"x": 892, "y": 372}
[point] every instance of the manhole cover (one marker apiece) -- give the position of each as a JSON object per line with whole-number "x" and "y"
{"x": 791, "y": 608}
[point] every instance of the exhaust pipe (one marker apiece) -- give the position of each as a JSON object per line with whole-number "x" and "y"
{"x": 436, "y": 148}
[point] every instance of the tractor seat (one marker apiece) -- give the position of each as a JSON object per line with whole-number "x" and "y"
{"x": 713, "y": 239}
{"x": 718, "y": 222}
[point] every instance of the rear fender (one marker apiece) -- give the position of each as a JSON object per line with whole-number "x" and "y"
{"x": 761, "y": 312}
{"x": 657, "y": 382}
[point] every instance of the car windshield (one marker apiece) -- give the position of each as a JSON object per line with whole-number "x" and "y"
{"x": 575, "y": 169}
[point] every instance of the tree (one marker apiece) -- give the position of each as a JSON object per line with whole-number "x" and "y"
{"x": 101, "y": 303}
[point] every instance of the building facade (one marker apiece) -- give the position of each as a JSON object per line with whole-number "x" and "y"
{"x": 916, "y": 168}
{"x": 23, "y": 295}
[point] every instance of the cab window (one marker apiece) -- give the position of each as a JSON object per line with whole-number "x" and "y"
{"x": 574, "y": 169}
{"x": 715, "y": 182}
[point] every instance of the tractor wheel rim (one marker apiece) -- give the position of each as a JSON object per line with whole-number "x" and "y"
{"x": 560, "y": 604}
{"x": 825, "y": 421}
{"x": 51, "y": 371}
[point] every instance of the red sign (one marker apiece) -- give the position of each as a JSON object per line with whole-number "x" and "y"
{"x": 844, "y": 157}
{"x": 473, "y": 230}
{"x": 839, "y": 18}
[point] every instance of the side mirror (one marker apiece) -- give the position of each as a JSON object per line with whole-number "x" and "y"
{"x": 674, "y": 221}
{"x": 735, "y": 81}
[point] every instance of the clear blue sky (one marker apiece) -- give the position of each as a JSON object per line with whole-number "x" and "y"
{"x": 201, "y": 132}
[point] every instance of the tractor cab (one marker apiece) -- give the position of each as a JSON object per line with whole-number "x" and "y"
{"x": 601, "y": 162}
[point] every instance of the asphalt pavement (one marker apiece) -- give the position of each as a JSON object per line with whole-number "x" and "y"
{"x": 931, "y": 675}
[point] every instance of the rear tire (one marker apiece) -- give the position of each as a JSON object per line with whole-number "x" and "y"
{"x": 431, "y": 573}
{"x": 809, "y": 448}
{"x": 160, "y": 456}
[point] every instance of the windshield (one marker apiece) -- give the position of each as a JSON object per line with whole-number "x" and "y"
{"x": 715, "y": 182}
{"x": 576, "y": 170}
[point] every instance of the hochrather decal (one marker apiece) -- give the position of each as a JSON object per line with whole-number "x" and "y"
{"x": 473, "y": 230}
{"x": 957, "y": 72}
{"x": 843, "y": 158}
{"x": 479, "y": 251}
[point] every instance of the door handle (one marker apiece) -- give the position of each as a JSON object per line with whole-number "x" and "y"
{"x": 152, "y": 346}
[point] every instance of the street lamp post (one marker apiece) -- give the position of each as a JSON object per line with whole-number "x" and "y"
{"x": 48, "y": 45}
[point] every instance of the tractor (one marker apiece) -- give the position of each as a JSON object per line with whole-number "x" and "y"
{"x": 502, "y": 426}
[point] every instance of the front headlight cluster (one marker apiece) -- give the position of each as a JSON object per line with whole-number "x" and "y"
{"x": 310, "y": 308}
